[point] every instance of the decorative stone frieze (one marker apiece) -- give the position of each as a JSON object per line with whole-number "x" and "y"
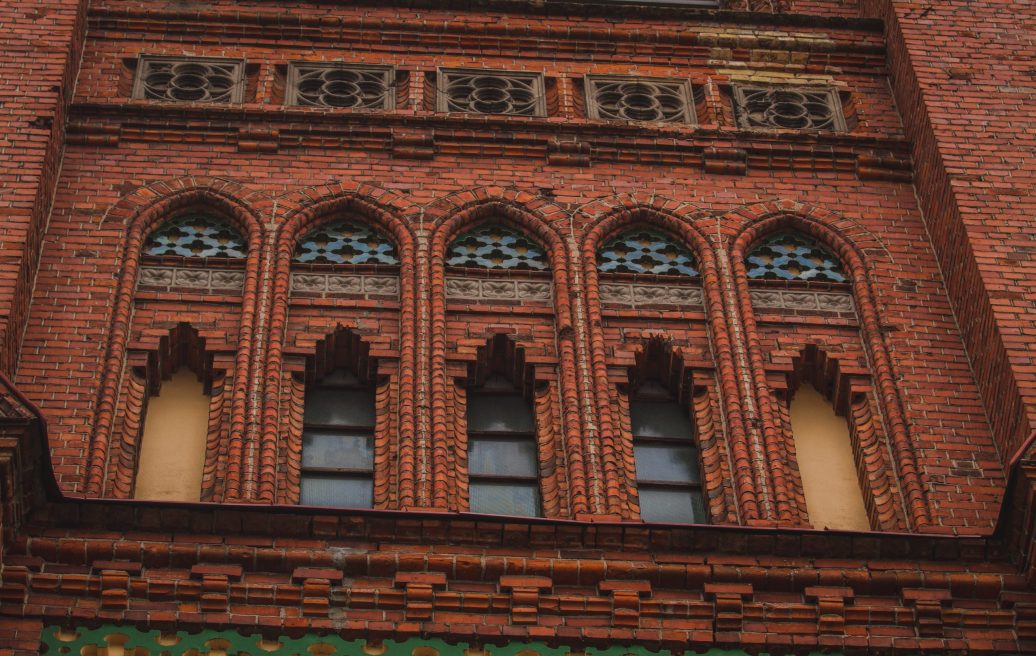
{"x": 782, "y": 299}
{"x": 656, "y": 294}
{"x": 338, "y": 284}
{"x": 207, "y": 280}
{"x": 498, "y": 289}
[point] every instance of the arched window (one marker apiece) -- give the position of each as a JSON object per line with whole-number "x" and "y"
{"x": 176, "y": 417}
{"x": 823, "y": 448}
{"x": 668, "y": 463}
{"x": 196, "y": 235}
{"x": 496, "y": 246}
{"x": 503, "y": 477}
{"x": 338, "y": 442}
{"x": 793, "y": 256}
{"x": 345, "y": 242}
{"x": 646, "y": 251}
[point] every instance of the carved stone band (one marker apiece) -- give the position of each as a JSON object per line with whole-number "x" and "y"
{"x": 498, "y": 290}
{"x": 635, "y": 295}
{"x": 333, "y": 284}
{"x": 802, "y": 300}
{"x": 194, "y": 279}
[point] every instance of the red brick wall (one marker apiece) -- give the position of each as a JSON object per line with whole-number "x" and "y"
{"x": 962, "y": 75}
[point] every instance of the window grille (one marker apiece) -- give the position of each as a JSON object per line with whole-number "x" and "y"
{"x": 196, "y": 235}
{"x": 494, "y": 246}
{"x": 646, "y": 251}
{"x": 345, "y": 242}
{"x": 190, "y": 79}
{"x": 503, "y": 475}
{"x": 341, "y": 85}
{"x": 793, "y": 256}
{"x": 338, "y": 443}
{"x": 491, "y": 92}
{"x": 666, "y": 455}
{"x": 639, "y": 99}
{"x": 788, "y": 108}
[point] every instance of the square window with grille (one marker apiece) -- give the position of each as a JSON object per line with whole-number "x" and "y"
{"x": 491, "y": 92}
{"x": 190, "y": 79}
{"x": 346, "y": 86}
{"x": 626, "y": 98}
{"x": 788, "y": 108}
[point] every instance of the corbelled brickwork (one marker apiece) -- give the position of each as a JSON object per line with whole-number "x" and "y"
{"x": 925, "y": 351}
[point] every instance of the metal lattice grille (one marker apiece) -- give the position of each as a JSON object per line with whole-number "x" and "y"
{"x": 793, "y": 256}
{"x": 788, "y": 108}
{"x": 491, "y": 92}
{"x": 646, "y": 251}
{"x": 346, "y": 242}
{"x": 494, "y": 246}
{"x": 339, "y": 85}
{"x": 639, "y": 99}
{"x": 190, "y": 80}
{"x": 196, "y": 235}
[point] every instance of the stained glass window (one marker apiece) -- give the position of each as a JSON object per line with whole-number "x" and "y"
{"x": 793, "y": 256}
{"x": 646, "y": 251}
{"x": 346, "y": 242}
{"x": 494, "y": 246}
{"x": 196, "y": 235}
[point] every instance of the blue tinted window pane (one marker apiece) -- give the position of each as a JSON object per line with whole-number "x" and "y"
{"x": 502, "y": 457}
{"x": 646, "y": 251}
{"x": 339, "y": 407}
{"x": 196, "y": 235}
{"x": 662, "y": 462}
{"x": 671, "y": 505}
{"x": 492, "y": 498}
{"x": 660, "y": 419}
{"x": 793, "y": 256}
{"x": 320, "y": 490}
{"x": 494, "y": 246}
{"x": 337, "y": 450}
{"x": 346, "y": 242}
{"x": 500, "y": 412}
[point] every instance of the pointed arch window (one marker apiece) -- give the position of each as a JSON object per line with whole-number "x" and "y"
{"x": 646, "y": 251}
{"x": 794, "y": 256}
{"x": 668, "y": 463}
{"x": 338, "y": 442}
{"x": 503, "y": 475}
{"x": 496, "y": 246}
{"x": 196, "y": 235}
{"x": 346, "y": 241}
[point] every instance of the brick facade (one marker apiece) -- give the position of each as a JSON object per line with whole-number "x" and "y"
{"x": 924, "y": 351}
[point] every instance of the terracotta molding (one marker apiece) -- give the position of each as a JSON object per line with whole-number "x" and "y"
{"x": 310, "y": 207}
{"x": 141, "y": 211}
{"x": 764, "y": 218}
{"x": 609, "y": 216}
{"x": 535, "y": 216}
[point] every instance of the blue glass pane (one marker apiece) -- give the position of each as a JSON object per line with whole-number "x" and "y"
{"x": 646, "y": 251}
{"x": 664, "y": 462}
{"x": 660, "y": 419}
{"x": 498, "y": 498}
{"x": 502, "y": 457}
{"x": 330, "y": 406}
{"x": 196, "y": 235}
{"x": 325, "y": 490}
{"x": 793, "y": 256}
{"x": 493, "y": 246}
{"x": 509, "y": 413}
{"x": 676, "y": 505}
{"x": 337, "y": 450}
{"x": 346, "y": 242}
